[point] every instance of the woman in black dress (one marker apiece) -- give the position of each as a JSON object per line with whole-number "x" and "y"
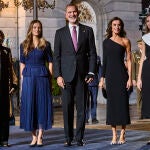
{"x": 117, "y": 77}
{"x": 143, "y": 82}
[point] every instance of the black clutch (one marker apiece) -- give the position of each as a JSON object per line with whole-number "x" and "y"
{"x": 104, "y": 93}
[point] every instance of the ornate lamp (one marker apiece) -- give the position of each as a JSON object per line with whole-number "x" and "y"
{"x": 29, "y": 4}
{"x": 3, "y": 5}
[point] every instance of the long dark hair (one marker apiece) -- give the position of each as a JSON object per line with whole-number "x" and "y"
{"x": 109, "y": 28}
{"x": 147, "y": 30}
{"x": 2, "y": 37}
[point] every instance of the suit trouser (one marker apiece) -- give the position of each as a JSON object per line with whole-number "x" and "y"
{"x": 92, "y": 102}
{"x": 4, "y": 115}
{"x": 74, "y": 93}
{"x": 4, "y": 131}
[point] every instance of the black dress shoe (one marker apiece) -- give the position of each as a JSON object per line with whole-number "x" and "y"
{"x": 148, "y": 143}
{"x": 95, "y": 121}
{"x": 80, "y": 143}
{"x": 86, "y": 122}
{"x": 67, "y": 143}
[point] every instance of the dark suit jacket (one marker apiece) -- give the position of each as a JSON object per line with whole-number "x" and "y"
{"x": 6, "y": 79}
{"x": 66, "y": 60}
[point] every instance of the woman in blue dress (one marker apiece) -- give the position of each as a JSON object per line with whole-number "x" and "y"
{"x": 36, "y": 100}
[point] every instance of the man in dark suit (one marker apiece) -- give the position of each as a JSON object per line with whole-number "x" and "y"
{"x": 74, "y": 67}
{"x": 92, "y": 95}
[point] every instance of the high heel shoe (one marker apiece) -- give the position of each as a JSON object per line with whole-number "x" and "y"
{"x": 114, "y": 140}
{"x": 40, "y": 142}
{"x": 122, "y": 138}
{"x": 33, "y": 143}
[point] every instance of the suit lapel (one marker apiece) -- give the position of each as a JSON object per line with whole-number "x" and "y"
{"x": 81, "y": 35}
{"x": 68, "y": 37}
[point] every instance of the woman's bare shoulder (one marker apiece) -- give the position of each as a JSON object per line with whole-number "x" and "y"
{"x": 126, "y": 41}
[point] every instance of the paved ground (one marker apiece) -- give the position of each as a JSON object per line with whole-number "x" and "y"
{"x": 97, "y": 137}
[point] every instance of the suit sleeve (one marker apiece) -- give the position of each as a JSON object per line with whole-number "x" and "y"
{"x": 22, "y": 57}
{"x": 57, "y": 55}
{"x": 92, "y": 52}
{"x": 48, "y": 51}
{"x": 13, "y": 77}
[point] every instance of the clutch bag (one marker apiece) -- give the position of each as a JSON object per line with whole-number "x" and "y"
{"x": 104, "y": 93}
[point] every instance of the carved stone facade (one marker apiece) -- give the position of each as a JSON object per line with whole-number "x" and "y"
{"x": 95, "y": 13}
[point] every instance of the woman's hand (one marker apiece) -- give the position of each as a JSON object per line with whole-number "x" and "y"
{"x": 129, "y": 84}
{"x": 139, "y": 84}
{"x": 101, "y": 83}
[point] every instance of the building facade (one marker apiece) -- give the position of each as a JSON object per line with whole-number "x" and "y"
{"x": 95, "y": 13}
{"x": 14, "y": 21}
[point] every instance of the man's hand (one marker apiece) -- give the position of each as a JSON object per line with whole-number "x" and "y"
{"x": 89, "y": 78}
{"x": 11, "y": 91}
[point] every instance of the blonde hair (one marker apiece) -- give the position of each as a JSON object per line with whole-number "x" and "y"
{"x": 28, "y": 45}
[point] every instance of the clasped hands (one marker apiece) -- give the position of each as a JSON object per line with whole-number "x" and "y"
{"x": 89, "y": 78}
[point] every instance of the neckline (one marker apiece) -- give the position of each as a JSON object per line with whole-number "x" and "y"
{"x": 116, "y": 43}
{"x": 146, "y": 38}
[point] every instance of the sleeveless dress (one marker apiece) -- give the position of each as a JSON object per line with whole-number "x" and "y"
{"x": 146, "y": 84}
{"x": 116, "y": 76}
{"x": 36, "y": 98}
